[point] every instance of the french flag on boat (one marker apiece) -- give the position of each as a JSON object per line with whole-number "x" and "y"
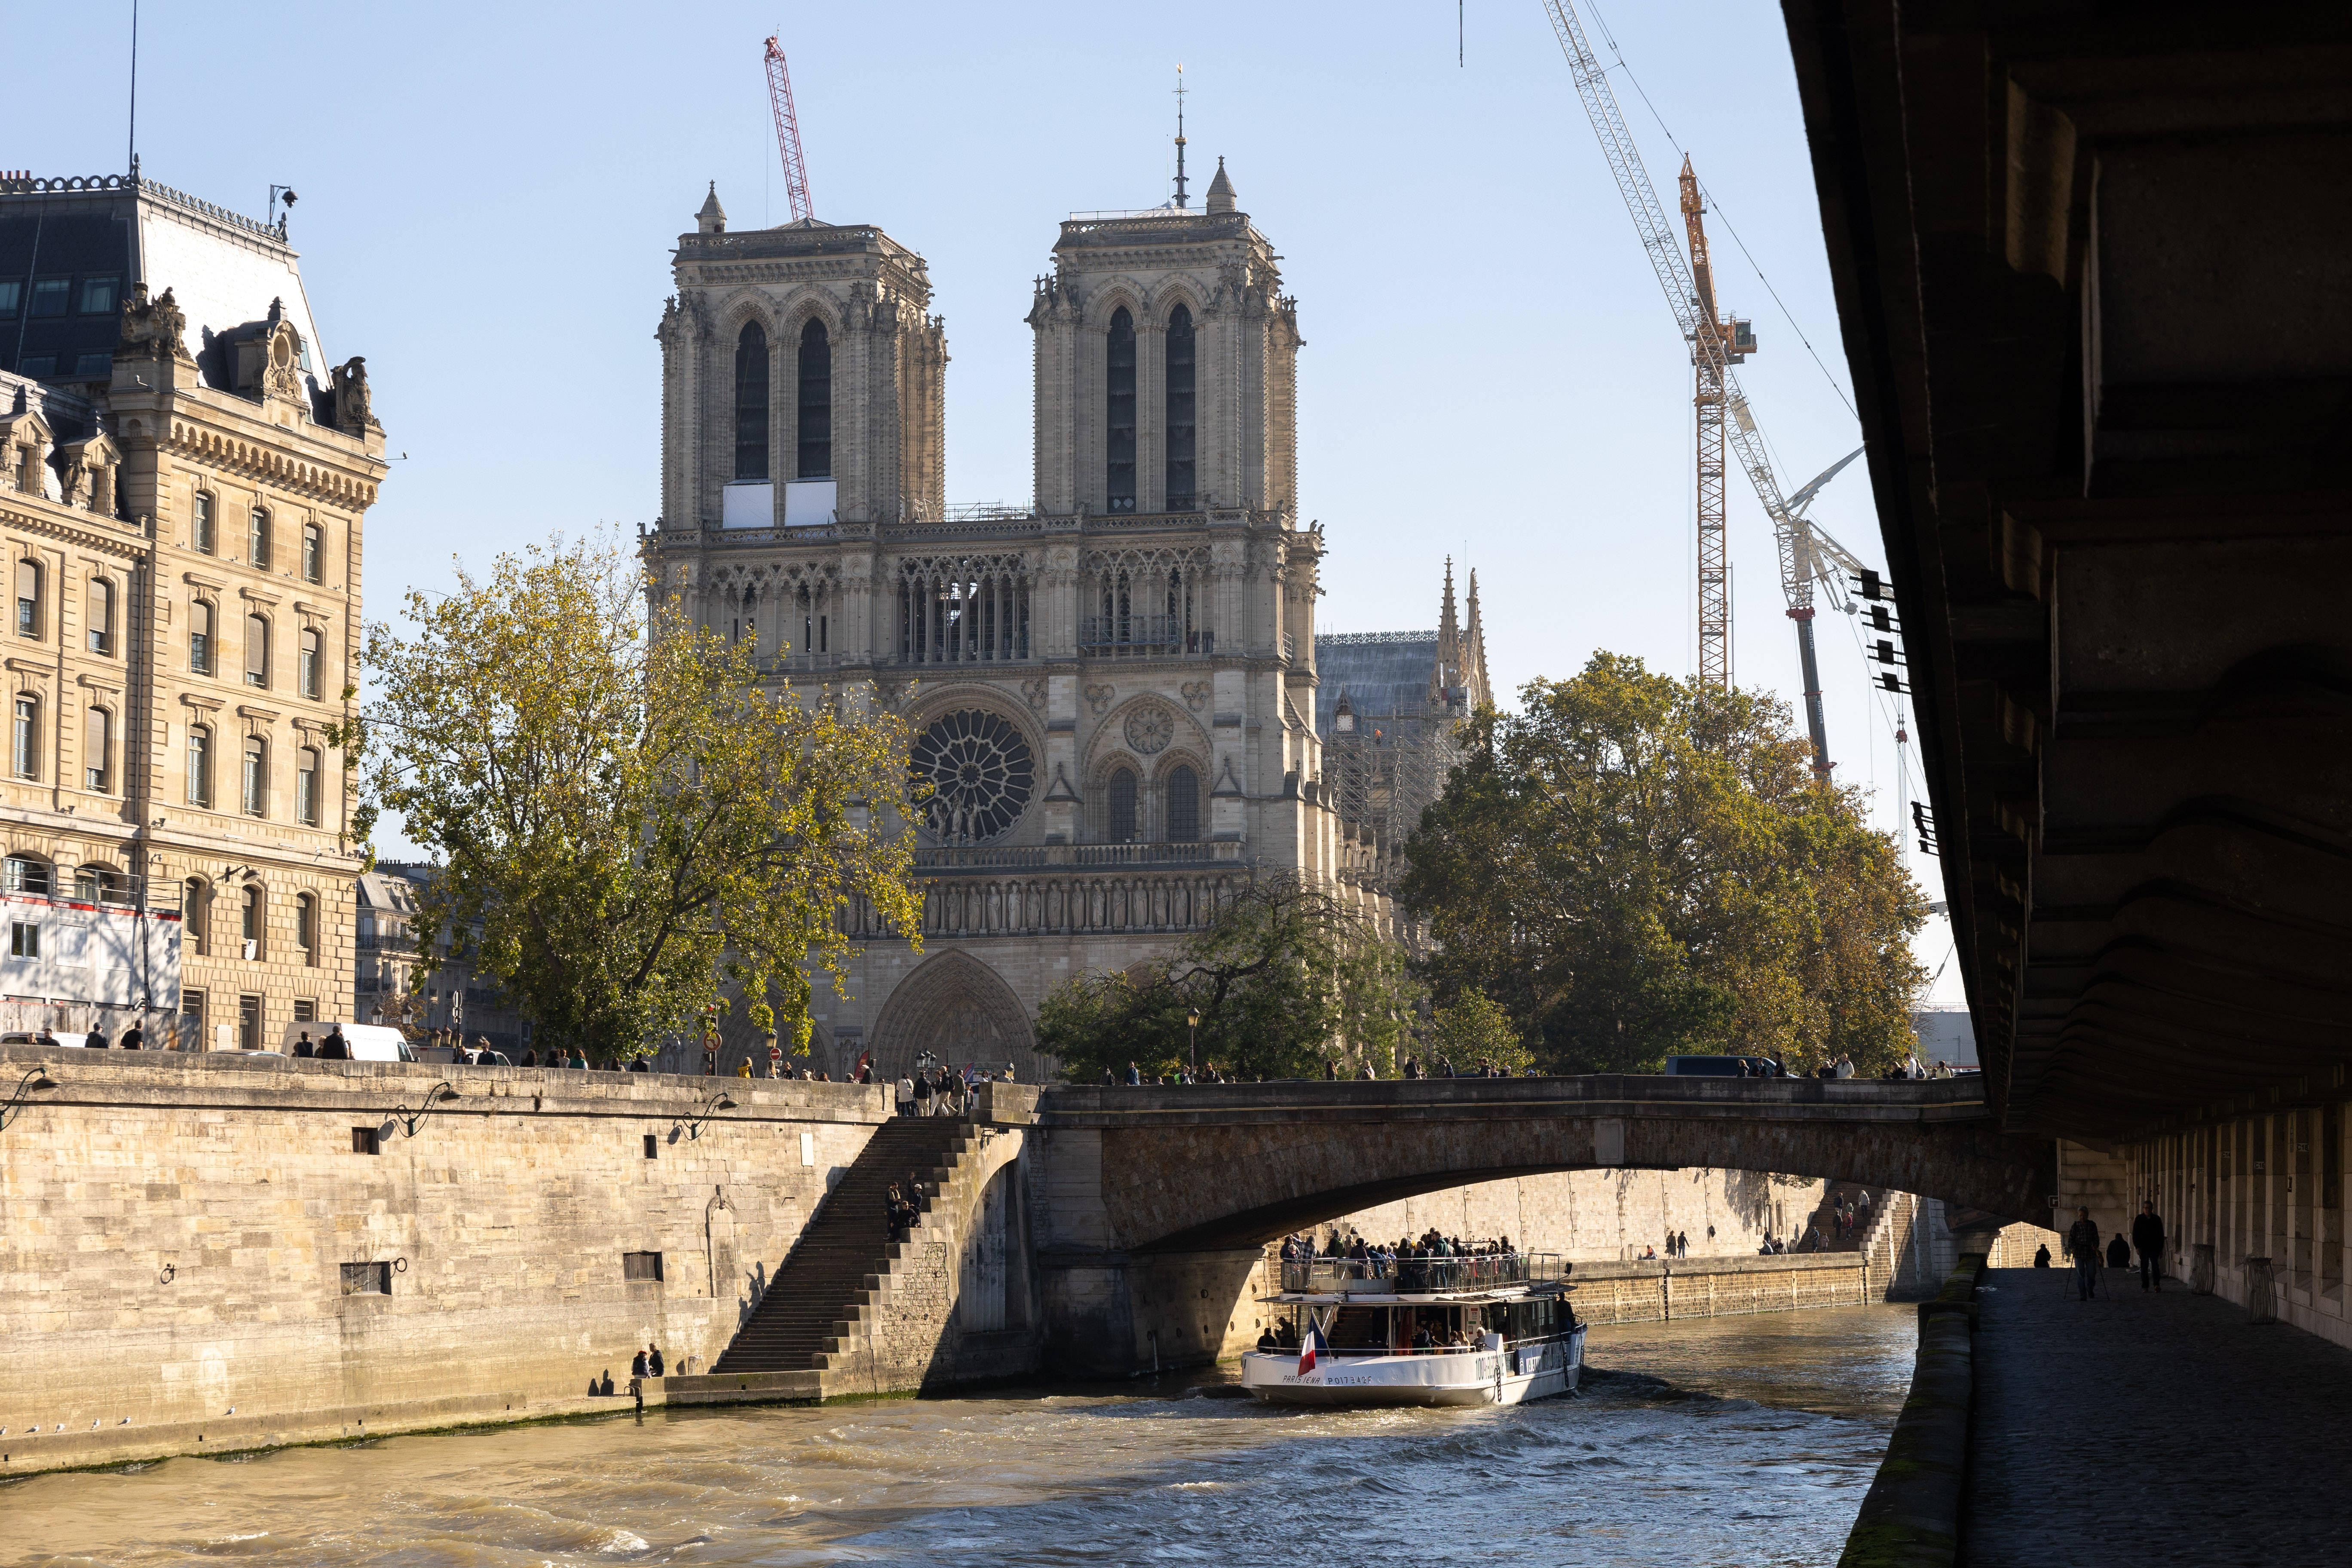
{"x": 1306, "y": 1350}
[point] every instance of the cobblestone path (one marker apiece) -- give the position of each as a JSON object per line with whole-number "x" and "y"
{"x": 2138, "y": 1429}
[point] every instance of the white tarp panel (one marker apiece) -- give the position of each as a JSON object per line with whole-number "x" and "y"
{"x": 751, "y": 503}
{"x": 808, "y": 502}
{"x": 103, "y": 955}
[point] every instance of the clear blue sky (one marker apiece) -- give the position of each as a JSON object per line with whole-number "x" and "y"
{"x": 489, "y": 194}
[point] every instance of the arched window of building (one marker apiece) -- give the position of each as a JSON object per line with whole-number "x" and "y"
{"x": 257, "y": 539}
{"x": 306, "y": 787}
{"x": 314, "y": 549}
{"x": 1122, "y": 807}
{"x": 200, "y": 527}
{"x": 255, "y": 919}
{"x": 306, "y": 928}
{"x": 25, "y": 752}
{"x": 200, "y": 765}
{"x": 752, "y": 403}
{"x": 97, "y": 750}
{"x": 256, "y": 777}
{"x": 1119, "y": 389}
{"x": 816, "y": 403}
{"x": 200, "y": 636}
{"x": 101, "y": 615}
{"x": 28, "y": 598}
{"x": 256, "y": 650}
{"x": 307, "y": 662}
{"x": 27, "y": 874}
{"x": 97, "y": 883}
{"x": 1181, "y": 422}
{"x": 1184, "y": 804}
{"x": 196, "y": 916}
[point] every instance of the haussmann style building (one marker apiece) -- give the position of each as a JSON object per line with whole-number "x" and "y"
{"x": 183, "y": 480}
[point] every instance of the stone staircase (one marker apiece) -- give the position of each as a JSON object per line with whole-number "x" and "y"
{"x": 840, "y": 1268}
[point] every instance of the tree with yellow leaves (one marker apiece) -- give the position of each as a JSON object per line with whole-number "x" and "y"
{"x": 636, "y": 828}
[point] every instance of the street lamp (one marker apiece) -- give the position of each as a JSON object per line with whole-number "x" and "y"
{"x": 695, "y": 1124}
{"x": 32, "y": 1083}
{"x": 1192, "y": 1029}
{"x": 410, "y": 1121}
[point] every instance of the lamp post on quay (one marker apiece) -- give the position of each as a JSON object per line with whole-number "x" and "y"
{"x": 1192, "y": 1031}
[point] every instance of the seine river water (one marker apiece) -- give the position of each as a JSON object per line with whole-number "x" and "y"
{"x": 1736, "y": 1440}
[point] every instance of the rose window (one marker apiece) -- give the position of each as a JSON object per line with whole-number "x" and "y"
{"x": 980, "y": 773}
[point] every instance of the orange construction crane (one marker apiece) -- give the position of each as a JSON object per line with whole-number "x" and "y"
{"x": 788, "y": 134}
{"x": 1738, "y": 341}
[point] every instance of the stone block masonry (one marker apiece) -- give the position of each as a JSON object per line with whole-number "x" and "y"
{"x": 212, "y": 1253}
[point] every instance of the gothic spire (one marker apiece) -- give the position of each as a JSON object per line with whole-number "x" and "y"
{"x": 1474, "y": 652}
{"x": 1180, "y": 198}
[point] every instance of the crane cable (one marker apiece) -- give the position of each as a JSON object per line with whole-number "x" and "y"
{"x": 1786, "y": 314}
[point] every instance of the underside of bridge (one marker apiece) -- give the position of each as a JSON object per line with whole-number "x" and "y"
{"x": 2094, "y": 267}
{"x": 1225, "y": 1167}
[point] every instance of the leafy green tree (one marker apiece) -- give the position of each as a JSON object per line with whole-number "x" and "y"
{"x": 1633, "y": 866}
{"x": 1288, "y": 981}
{"x": 1474, "y": 1028}
{"x": 631, "y": 826}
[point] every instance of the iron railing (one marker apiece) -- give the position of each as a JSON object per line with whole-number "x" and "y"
{"x": 1419, "y": 1275}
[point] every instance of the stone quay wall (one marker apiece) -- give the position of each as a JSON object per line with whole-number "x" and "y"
{"x": 217, "y": 1252}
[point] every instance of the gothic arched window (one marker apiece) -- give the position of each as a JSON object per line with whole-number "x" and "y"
{"x": 752, "y": 403}
{"x": 1122, "y": 807}
{"x": 1183, "y": 805}
{"x": 1181, "y": 492}
{"x": 1119, "y": 386}
{"x": 816, "y": 403}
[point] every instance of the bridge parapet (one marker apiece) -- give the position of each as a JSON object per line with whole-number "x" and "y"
{"x": 1861, "y": 1101}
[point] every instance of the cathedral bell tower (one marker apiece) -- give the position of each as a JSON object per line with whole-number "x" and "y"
{"x": 1165, "y": 365}
{"x": 803, "y": 379}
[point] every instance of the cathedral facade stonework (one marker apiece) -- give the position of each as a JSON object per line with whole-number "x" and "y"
{"x": 1113, "y": 691}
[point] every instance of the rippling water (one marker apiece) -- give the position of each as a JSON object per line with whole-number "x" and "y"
{"x": 1741, "y": 1440}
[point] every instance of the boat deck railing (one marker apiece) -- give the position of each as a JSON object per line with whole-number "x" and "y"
{"x": 1419, "y": 1275}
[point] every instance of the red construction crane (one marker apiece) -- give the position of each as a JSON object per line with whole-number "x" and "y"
{"x": 788, "y": 134}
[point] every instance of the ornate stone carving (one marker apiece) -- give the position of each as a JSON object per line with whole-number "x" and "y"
{"x": 154, "y": 328}
{"x": 1099, "y": 698}
{"x": 354, "y": 406}
{"x": 1034, "y": 692}
{"x": 1150, "y": 728}
{"x": 1196, "y": 694}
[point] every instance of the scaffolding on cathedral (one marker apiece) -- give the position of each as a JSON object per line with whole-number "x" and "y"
{"x": 1389, "y": 708}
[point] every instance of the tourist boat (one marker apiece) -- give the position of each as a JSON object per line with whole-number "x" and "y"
{"x": 1496, "y": 1330}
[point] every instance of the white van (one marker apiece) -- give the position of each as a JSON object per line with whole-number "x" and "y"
{"x": 369, "y": 1042}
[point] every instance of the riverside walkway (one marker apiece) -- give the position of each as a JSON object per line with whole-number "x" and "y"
{"x": 2140, "y": 1428}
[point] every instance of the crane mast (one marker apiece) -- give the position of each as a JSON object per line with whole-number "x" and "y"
{"x": 788, "y": 134}
{"x": 1714, "y": 583}
{"x": 1712, "y": 352}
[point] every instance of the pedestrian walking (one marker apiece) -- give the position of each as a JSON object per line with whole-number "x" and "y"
{"x": 2083, "y": 1248}
{"x": 2119, "y": 1252}
{"x": 2147, "y": 1235}
{"x": 2042, "y": 1256}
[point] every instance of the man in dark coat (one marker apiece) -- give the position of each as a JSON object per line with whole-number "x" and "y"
{"x": 2147, "y": 1235}
{"x": 2083, "y": 1248}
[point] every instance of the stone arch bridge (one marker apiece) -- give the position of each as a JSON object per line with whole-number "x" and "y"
{"x": 1154, "y": 1199}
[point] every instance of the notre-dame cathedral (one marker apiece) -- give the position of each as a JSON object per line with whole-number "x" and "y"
{"x": 1113, "y": 692}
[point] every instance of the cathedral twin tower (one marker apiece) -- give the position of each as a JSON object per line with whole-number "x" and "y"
{"x": 1112, "y": 691}
{"x": 805, "y": 356}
